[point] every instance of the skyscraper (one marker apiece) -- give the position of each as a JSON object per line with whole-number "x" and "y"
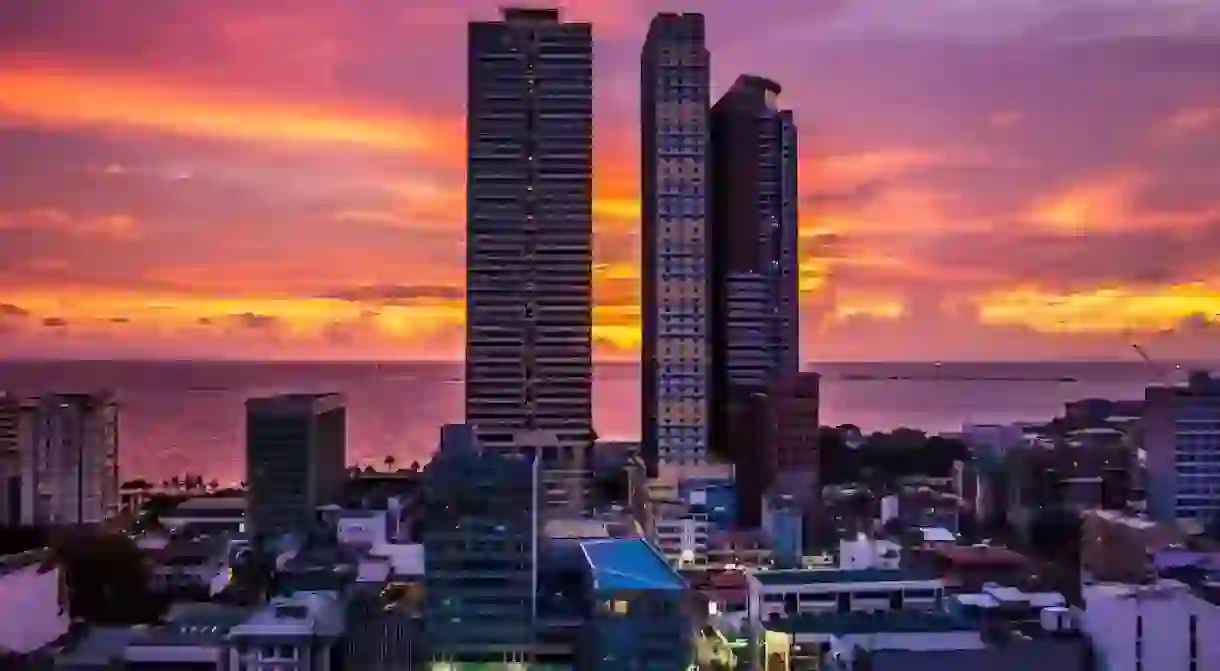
{"x": 675, "y": 358}
{"x": 529, "y": 239}
{"x": 69, "y": 457}
{"x": 755, "y": 311}
{"x": 296, "y": 454}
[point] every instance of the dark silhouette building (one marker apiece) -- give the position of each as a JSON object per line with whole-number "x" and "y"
{"x": 676, "y": 246}
{"x": 755, "y": 273}
{"x": 296, "y": 453}
{"x": 480, "y": 551}
{"x": 529, "y": 242}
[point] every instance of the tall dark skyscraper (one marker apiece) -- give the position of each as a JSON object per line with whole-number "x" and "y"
{"x": 755, "y": 311}
{"x": 529, "y": 240}
{"x": 296, "y": 459}
{"x": 675, "y": 357}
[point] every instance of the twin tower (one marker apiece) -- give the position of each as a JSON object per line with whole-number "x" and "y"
{"x": 719, "y": 254}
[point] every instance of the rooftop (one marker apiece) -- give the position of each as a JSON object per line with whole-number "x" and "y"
{"x": 830, "y": 575}
{"x": 210, "y": 504}
{"x": 16, "y": 562}
{"x": 194, "y": 624}
{"x": 937, "y": 535}
{"x": 981, "y": 555}
{"x": 629, "y": 563}
{"x": 863, "y": 622}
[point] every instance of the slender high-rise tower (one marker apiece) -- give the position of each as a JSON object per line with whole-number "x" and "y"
{"x": 755, "y": 311}
{"x": 529, "y": 240}
{"x": 676, "y": 372}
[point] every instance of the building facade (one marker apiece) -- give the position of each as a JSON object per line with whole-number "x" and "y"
{"x": 754, "y": 236}
{"x": 641, "y": 613}
{"x": 296, "y": 459}
{"x": 480, "y": 552}
{"x": 676, "y": 245}
{"x": 10, "y": 460}
{"x": 69, "y": 455}
{"x": 529, "y": 237}
{"x": 1181, "y": 433}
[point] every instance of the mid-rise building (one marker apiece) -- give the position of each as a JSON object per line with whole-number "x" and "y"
{"x": 641, "y": 615}
{"x": 1164, "y": 625}
{"x": 69, "y": 454}
{"x": 1181, "y": 434}
{"x": 34, "y": 607}
{"x": 10, "y": 460}
{"x": 755, "y": 311}
{"x": 529, "y": 242}
{"x": 296, "y": 453}
{"x": 676, "y": 241}
{"x": 480, "y": 552}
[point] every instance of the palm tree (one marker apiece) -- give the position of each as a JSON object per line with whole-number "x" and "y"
{"x": 389, "y": 462}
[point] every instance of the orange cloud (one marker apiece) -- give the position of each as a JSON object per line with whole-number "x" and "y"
{"x": 1098, "y": 203}
{"x": 1107, "y": 310}
{"x": 120, "y": 226}
{"x": 64, "y": 97}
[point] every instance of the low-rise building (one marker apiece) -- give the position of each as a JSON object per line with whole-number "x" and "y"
{"x": 206, "y": 515}
{"x": 641, "y": 614}
{"x": 302, "y": 631}
{"x": 33, "y": 602}
{"x": 1164, "y": 625}
{"x": 1121, "y": 548}
{"x": 969, "y": 567}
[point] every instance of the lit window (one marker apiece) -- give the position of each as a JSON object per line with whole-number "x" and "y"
{"x": 618, "y": 607}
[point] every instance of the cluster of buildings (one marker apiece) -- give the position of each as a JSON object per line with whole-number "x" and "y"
{"x": 503, "y": 554}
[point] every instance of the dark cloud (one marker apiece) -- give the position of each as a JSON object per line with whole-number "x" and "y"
{"x": 10, "y": 310}
{"x": 205, "y": 321}
{"x": 54, "y": 322}
{"x": 390, "y": 294}
{"x": 119, "y": 320}
{"x": 1088, "y": 261}
{"x": 254, "y": 321}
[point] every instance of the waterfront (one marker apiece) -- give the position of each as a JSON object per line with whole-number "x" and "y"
{"x": 182, "y": 417}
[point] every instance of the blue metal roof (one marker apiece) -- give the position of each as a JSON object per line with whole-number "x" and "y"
{"x": 628, "y": 563}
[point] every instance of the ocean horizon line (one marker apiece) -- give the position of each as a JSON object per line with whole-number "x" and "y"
{"x": 599, "y": 362}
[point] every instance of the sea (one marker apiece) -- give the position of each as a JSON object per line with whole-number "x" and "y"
{"x": 188, "y": 416}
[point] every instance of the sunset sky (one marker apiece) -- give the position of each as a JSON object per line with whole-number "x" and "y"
{"x": 981, "y": 179}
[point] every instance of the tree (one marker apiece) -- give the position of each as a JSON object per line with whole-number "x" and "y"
{"x": 389, "y": 462}
{"x": 138, "y": 484}
{"x": 415, "y": 467}
{"x": 107, "y": 578}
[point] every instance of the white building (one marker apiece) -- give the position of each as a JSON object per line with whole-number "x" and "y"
{"x": 297, "y": 633}
{"x": 786, "y": 593}
{"x": 865, "y": 553}
{"x": 33, "y": 602}
{"x": 1156, "y": 621}
{"x": 681, "y": 533}
{"x": 69, "y": 450}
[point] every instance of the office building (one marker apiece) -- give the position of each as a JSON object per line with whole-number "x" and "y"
{"x": 641, "y": 615}
{"x": 529, "y": 236}
{"x": 755, "y": 311}
{"x": 296, "y": 460}
{"x": 69, "y": 453}
{"x": 1181, "y": 431}
{"x": 1163, "y": 625}
{"x": 676, "y": 245}
{"x": 480, "y": 552}
{"x": 10, "y": 460}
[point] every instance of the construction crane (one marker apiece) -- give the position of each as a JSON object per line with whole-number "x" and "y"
{"x": 1152, "y": 365}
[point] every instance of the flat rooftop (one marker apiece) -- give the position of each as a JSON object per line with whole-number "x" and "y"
{"x": 830, "y": 575}
{"x": 629, "y": 563}
{"x": 212, "y": 503}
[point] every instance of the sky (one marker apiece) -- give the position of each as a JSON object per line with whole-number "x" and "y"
{"x": 980, "y": 179}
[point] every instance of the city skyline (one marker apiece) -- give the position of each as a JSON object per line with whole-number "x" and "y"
{"x": 225, "y": 180}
